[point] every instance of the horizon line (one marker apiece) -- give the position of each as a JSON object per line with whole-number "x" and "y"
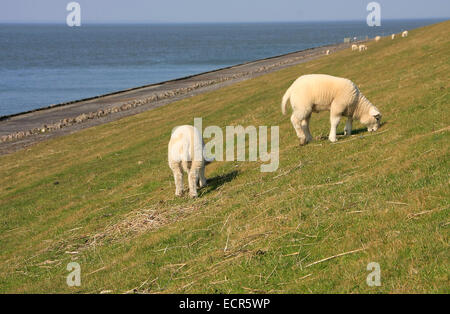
{"x": 211, "y": 22}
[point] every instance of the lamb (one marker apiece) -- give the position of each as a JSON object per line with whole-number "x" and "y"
{"x": 405, "y": 34}
{"x": 362, "y": 48}
{"x": 393, "y": 36}
{"x": 320, "y": 92}
{"x": 186, "y": 153}
{"x": 354, "y": 47}
{"x": 377, "y": 39}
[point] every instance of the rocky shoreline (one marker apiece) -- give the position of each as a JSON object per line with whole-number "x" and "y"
{"x": 102, "y": 112}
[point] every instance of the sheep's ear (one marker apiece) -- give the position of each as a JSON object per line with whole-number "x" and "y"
{"x": 374, "y": 112}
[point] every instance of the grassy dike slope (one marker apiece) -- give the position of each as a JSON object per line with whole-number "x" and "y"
{"x": 104, "y": 197}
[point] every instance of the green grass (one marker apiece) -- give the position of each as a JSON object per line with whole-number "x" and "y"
{"x": 104, "y": 197}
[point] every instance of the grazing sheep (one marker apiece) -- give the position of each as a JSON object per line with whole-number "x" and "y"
{"x": 393, "y": 36}
{"x": 327, "y": 52}
{"x": 354, "y": 47}
{"x": 362, "y": 48}
{"x": 320, "y": 92}
{"x": 377, "y": 39}
{"x": 186, "y": 153}
{"x": 405, "y": 34}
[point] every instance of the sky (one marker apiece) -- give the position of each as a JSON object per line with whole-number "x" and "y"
{"x": 200, "y": 11}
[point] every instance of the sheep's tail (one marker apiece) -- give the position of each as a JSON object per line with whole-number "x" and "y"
{"x": 286, "y": 97}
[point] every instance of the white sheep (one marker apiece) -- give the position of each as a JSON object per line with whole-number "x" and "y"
{"x": 354, "y": 47}
{"x": 393, "y": 36}
{"x": 186, "y": 153}
{"x": 320, "y": 92}
{"x": 327, "y": 52}
{"x": 377, "y": 39}
{"x": 362, "y": 48}
{"x": 405, "y": 34}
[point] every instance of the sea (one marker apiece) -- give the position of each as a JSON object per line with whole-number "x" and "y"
{"x": 46, "y": 64}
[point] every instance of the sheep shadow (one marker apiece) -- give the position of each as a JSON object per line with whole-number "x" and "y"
{"x": 354, "y": 132}
{"x": 214, "y": 183}
{"x": 362, "y": 130}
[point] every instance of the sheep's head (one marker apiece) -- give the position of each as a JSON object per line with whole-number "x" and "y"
{"x": 372, "y": 119}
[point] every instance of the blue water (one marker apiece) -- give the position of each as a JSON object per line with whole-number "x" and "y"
{"x": 42, "y": 65}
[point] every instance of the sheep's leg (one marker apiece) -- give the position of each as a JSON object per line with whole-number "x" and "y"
{"x": 296, "y": 120}
{"x": 178, "y": 176}
{"x": 334, "y": 121}
{"x": 305, "y": 128}
{"x": 348, "y": 126}
{"x": 193, "y": 178}
{"x": 202, "y": 178}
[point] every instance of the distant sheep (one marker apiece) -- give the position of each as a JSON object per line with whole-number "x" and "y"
{"x": 405, "y": 34}
{"x": 362, "y": 47}
{"x": 377, "y": 39}
{"x": 186, "y": 153}
{"x": 354, "y": 47}
{"x": 320, "y": 92}
{"x": 393, "y": 36}
{"x": 327, "y": 52}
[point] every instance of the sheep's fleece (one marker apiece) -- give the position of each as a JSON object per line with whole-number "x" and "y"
{"x": 320, "y": 92}
{"x": 185, "y": 152}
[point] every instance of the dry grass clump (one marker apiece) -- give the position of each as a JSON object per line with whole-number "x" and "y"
{"x": 140, "y": 221}
{"x": 134, "y": 223}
